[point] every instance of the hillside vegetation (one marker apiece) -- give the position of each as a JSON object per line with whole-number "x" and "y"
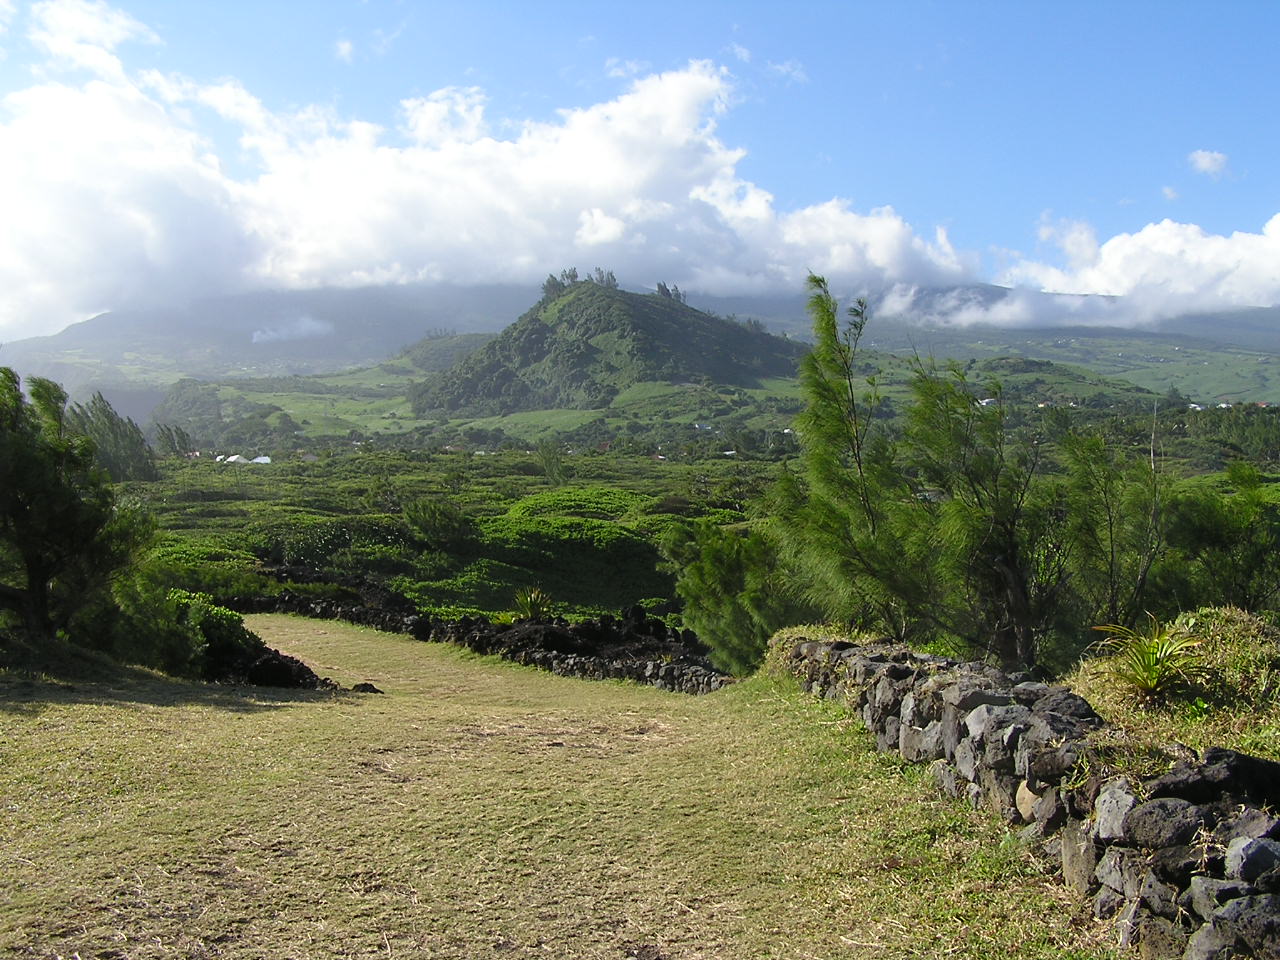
{"x": 582, "y": 348}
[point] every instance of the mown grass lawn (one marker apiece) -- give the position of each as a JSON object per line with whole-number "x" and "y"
{"x": 479, "y": 809}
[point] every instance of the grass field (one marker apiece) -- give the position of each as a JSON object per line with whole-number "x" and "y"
{"x": 479, "y": 809}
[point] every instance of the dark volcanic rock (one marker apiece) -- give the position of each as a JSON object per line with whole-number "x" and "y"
{"x": 1166, "y": 822}
{"x": 275, "y": 669}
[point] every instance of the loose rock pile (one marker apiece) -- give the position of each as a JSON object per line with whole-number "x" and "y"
{"x": 1187, "y": 864}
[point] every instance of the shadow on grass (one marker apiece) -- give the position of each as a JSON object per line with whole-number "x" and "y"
{"x": 66, "y": 674}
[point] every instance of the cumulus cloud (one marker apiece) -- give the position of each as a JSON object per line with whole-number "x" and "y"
{"x": 449, "y": 115}
{"x": 741, "y": 52}
{"x": 1164, "y": 268}
{"x": 1209, "y": 162}
{"x": 115, "y": 197}
{"x": 344, "y": 50}
{"x": 1169, "y": 193}
{"x": 84, "y": 33}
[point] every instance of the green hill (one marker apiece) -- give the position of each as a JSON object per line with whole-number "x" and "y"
{"x": 580, "y": 350}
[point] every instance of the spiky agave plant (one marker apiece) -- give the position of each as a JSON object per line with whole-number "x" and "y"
{"x": 533, "y": 603}
{"x": 1154, "y": 659}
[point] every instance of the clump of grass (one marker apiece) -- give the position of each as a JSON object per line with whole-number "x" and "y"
{"x": 1231, "y": 698}
{"x": 533, "y": 603}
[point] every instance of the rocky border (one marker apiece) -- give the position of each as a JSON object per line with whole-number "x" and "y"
{"x": 633, "y": 647}
{"x": 1187, "y": 864}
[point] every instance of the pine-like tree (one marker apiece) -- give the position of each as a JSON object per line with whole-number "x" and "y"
{"x": 63, "y": 535}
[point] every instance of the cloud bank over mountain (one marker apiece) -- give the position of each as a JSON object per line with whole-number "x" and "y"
{"x": 121, "y": 188}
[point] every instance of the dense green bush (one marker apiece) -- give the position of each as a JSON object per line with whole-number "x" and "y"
{"x": 440, "y": 524}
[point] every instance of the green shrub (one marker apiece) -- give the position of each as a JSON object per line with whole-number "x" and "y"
{"x": 601, "y": 503}
{"x": 440, "y": 523}
{"x": 533, "y": 603}
{"x": 1155, "y": 659}
{"x": 223, "y": 637}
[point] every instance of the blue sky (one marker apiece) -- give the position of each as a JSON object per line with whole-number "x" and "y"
{"x": 151, "y": 151}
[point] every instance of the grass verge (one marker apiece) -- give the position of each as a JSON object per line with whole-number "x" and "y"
{"x": 480, "y": 809}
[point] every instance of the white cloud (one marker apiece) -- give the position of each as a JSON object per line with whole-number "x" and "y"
{"x": 83, "y": 34}
{"x": 741, "y": 52}
{"x": 1209, "y": 162}
{"x": 792, "y": 70}
{"x": 383, "y": 40}
{"x": 454, "y": 114}
{"x": 621, "y": 69}
{"x": 1165, "y": 267}
{"x": 1169, "y": 193}
{"x": 344, "y": 50}
{"x": 596, "y": 227}
{"x": 113, "y": 196}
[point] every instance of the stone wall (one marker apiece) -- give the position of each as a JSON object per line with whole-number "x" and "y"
{"x": 632, "y": 647}
{"x": 1186, "y": 864}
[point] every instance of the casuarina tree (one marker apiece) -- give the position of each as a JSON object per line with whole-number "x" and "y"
{"x": 63, "y": 535}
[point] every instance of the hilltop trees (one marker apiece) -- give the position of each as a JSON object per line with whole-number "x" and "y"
{"x": 63, "y": 535}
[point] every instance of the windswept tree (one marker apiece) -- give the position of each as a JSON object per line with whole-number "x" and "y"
{"x": 118, "y": 444}
{"x": 63, "y": 535}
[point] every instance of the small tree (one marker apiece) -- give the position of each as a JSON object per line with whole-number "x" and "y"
{"x": 550, "y": 458}
{"x": 63, "y": 535}
{"x": 552, "y": 287}
{"x": 734, "y": 593}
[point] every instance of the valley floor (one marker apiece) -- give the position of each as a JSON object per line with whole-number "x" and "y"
{"x": 481, "y": 810}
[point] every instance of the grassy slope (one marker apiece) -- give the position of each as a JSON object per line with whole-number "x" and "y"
{"x": 485, "y": 810}
{"x": 1202, "y": 370}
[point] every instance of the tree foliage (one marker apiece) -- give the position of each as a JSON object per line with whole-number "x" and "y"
{"x": 63, "y": 534}
{"x": 734, "y": 598}
{"x": 961, "y": 522}
{"x": 118, "y": 444}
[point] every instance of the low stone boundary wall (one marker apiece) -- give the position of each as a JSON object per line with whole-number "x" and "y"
{"x": 606, "y": 649}
{"x": 633, "y": 647}
{"x": 1187, "y": 864}
{"x": 380, "y": 618}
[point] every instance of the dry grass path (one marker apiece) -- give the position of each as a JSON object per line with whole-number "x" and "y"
{"x": 482, "y": 810}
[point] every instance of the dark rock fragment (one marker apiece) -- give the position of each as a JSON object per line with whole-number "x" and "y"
{"x": 1166, "y": 822}
{"x": 1079, "y": 857}
{"x": 1248, "y": 858}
